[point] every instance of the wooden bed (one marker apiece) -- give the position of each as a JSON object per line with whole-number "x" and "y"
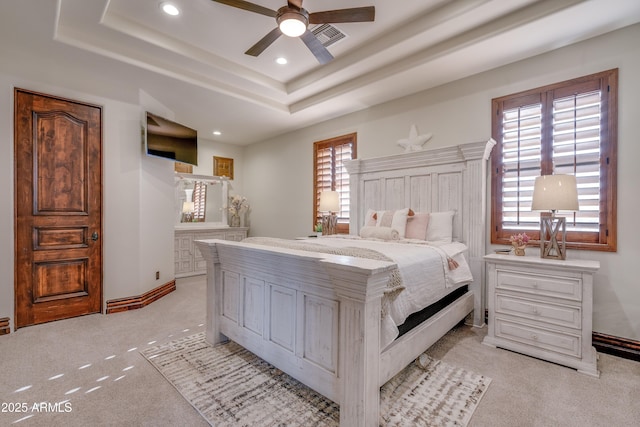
{"x": 317, "y": 316}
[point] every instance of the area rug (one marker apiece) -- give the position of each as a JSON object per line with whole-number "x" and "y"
{"x": 230, "y": 386}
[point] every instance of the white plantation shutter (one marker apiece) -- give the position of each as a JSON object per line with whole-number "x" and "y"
{"x": 331, "y": 175}
{"x": 324, "y": 171}
{"x": 199, "y": 201}
{"x": 342, "y": 152}
{"x": 566, "y": 128}
{"x": 576, "y": 151}
{"x": 521, "y": 151}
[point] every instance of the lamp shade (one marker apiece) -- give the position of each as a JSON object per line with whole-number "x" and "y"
{"x": 329, "y": 201}
{"x": 188, "y": 207}
{"x": 555, "y": 193}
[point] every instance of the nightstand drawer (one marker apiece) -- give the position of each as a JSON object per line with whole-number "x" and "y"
{"x": 554, "y": 314}
{"x": 537, "y": 337}
{"x": 548, "y": 285}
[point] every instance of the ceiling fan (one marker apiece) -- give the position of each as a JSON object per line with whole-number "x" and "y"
{"x": 293, "y": 21}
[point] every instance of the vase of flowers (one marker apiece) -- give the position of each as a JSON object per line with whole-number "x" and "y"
{"x": 237, "y": 206}
{"x": 519, "y": 243}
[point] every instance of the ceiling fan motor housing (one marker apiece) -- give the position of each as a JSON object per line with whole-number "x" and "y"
{"x": 286, "y": 13}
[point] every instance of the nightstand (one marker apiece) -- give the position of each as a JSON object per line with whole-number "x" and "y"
{"x": 542, "y": 308}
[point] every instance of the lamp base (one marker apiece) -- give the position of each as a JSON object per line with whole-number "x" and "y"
{"x": 187, "y": 217}
{"x": 329, "y": 223}
{"x": 553, "y": 233}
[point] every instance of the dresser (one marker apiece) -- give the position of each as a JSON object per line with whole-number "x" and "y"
{"x": 542, "y": 308}
{"x": 187, "y": 257}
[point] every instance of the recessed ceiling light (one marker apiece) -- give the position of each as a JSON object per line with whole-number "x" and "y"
{"x": 217, "y": 133}
{"x": 170, "y": 9}
{"x": 281, "y": 60}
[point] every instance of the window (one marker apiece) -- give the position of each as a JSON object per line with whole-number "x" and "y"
{"x": 564, "y": 128}
{"x": 330, "y": 175}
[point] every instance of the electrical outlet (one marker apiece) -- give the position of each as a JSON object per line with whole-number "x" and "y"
{"x": 157, "y": 275}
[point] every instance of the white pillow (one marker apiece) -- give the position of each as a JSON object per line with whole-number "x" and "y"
{"x": 394, "y": 219}
{"x": 370, "y": 218}
{"x": 440, "y": 227}
{"x": 383, "y": 233}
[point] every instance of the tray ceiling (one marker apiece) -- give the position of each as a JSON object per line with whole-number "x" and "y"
{"x": 195, "y": 65}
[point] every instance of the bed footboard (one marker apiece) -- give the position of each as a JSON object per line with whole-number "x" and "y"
{"x": 314, "y": 316}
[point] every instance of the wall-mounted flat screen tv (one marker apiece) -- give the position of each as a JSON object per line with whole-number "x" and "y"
{"x": 171, "y": 140}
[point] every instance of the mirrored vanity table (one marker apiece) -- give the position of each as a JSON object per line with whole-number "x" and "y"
{"x": 201, "y": 213}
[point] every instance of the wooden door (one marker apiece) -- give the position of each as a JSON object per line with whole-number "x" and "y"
{"x": 58, "y": 208}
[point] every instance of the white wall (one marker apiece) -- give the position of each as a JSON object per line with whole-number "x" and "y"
{"x": 155, "y": 202}
{"x": 6, "y": 194}
{"x": 208, "y": 148}
{"x": 279, "y": 182}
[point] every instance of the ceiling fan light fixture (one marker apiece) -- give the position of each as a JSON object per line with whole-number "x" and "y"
{"x": 292, "y": 22}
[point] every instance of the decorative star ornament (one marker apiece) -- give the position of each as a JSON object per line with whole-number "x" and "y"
{"x": 415, "y": 141}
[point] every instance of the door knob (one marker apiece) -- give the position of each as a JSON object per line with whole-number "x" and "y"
{"x": 94, "y": 236}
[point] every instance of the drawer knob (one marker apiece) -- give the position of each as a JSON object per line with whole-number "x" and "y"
{"x": 534, "y": 337}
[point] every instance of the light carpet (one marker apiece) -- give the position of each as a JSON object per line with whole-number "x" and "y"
{"x": 230, "y": 386}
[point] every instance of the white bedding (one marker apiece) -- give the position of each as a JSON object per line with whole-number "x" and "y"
{"x": 424, "y": 270}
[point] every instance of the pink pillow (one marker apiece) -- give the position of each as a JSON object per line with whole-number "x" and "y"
{"x": 417, "y": 226}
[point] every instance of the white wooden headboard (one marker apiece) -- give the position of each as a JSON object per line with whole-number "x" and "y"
{"x": 451, "y": 178}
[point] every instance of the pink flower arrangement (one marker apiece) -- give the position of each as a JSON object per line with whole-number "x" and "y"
{"x": 519, "y": 239}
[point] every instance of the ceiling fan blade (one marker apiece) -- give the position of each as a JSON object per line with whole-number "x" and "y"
{"x": 264, "y": 43}
{"x": 357, "y": 14}
{"x": 251, "y": 7}
{"x": 295, "y": 3}
{"x": 319, "y": 51}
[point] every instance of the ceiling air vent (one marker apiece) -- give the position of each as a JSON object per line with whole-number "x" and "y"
{"x": 328, "y": 34}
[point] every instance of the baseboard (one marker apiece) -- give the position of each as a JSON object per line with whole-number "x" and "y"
{"x": 134, "y": 303}
{"x": 616, "y": 346}
{"x": 5, "y": 329}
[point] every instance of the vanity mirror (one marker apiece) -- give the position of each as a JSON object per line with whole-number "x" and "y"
{"x": 201, "y": 199}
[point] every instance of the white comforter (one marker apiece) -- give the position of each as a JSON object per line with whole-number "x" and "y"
{"x": 424, "y": 270}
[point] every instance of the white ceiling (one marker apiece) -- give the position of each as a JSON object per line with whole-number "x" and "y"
{"x": 195, "y": 65}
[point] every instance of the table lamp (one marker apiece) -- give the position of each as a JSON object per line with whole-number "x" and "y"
{"x": 330, "y": 203}
{"x": 554, "y": 193}
{"x": 187, "y": 211}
